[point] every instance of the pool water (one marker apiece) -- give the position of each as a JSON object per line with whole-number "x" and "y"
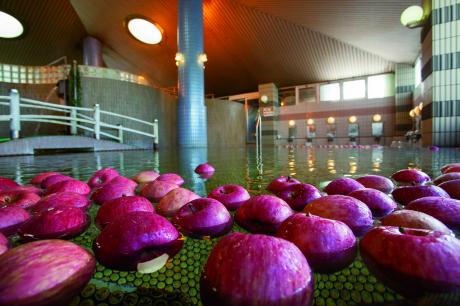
{"x": 178, "y": 282}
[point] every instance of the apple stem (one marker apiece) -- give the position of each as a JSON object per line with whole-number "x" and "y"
{"x": 192, "y": 209}
{"x": 402, "y": 230}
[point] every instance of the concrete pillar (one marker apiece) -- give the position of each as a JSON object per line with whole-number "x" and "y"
{"x": 191, "y": 113}
{"x": 92, "y": 52}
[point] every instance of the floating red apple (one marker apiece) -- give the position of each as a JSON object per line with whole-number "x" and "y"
{"x": 342, "y": 186}
{"x": 135, "y": 238}
{"x": 171, "y": 178}
{"x": 55, "y": 223}
{"x": 413, "y": 262}
{"x": 299, "y": 195}
{"x": 378, "y": 202}
{"x": 69, "y": 186}
{"x": 452, "y": 188}
{"x": 156, "y": 190}
{"x": 445, "y": 168}
{"x": 146, "y": 176}
{"x": 445, "y": 210}
{"x": 411, "y": 176}
{"x": 39, "y": 178}
{"x": 116, "y": 188}
{"x": 415, "y": 219}
{"x": 203, "y": 217}
{"x": 48, "y": 272}
{"x": 281, "y": 183}
{"x": 350, "y": 211}
{"x": 329, "y": 245}
{"x": 247, "y": 269}
{"x": 102, "y": 177}
{"x": 61, "y": 200}
{"x": 204, "y": 168}
{"x": 6, "y": 183}
{"x": 446, "y": 177}
{"x": 11, "y": 218}
{"x": 23, "y": 199}
{"x": 378, "y": 182}
{"x": 112, "y": 209}
{"x": 53, "y": 179}
{"x": 28, "y": 188}
{"x": 4, "y": 244}
{"x": 452, "y": 169}
{"x": 174, "y": 200}
{"x": 406, "y": 194}
{"x": 263, "y": 214}
{"x": 232, "y": 196}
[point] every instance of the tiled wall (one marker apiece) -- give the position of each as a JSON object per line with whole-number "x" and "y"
{"x": 404, "y": 83}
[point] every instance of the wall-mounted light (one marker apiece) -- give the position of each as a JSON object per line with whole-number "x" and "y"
{"x": 264, "y": 98}
{"x": 412, "y": 16}
{"x": 412, "y": 113}
{"x": 282, "y": 103}
{"x": 310, "y": 121}
{"x": 202, "y": 59}
{"x": 331, "y": 120}
{"x": 420, "y": 105}
{"x": 417, "y": 111}
{"x": 291, "y": 123}
{"x": 10, "y": 27}
{"x": 144, "y": 30}
{"x": 352, "y": 119}
{"x": 179, "y": 58}
{"x": 376, "y": 117}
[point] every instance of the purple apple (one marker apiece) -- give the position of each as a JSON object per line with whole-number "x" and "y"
{"x": 232, "y": 196}
{"x": 102, "y": 177}
{"x": 412, "y": 262}
{"x": 39, "y": 178}
{"x": 281, "y": 183}
{"x": 61, "y": 200}
{"x": 411, "y": 176}
{"x": 329, "y": 245}
{"x": 350, "y": 211}
{"x": 48, "y": 272}
{"x": 156, "y": 190}
{"x": 434, "y": 148}
{"x": 110, "y": 210}
{"x": 18, "y": 198}
{"x": 11, "y": 218}
{"x": 444, "y": 209}
{"x": 146, "y": 176}
{"x": 116, "y": 188}
{"x": 406, "y": 194}
{"x": 171, "y": 178}
{"x": 6, "y": 184}
{"x": 53, "y": 179}
{"x": 378, "y": 202}
{"x": 135, "y": 238}
{"x": 55, "y": 223}
{"x": 415, "y": 219}
{"x": 342, "y": 186}
{"x": 245, "y": 269}
{"x": 4, "y": 244}
{"x": 174, "y": 200}
{"x": 452, "y": 188}
{"x": 204, "y": 168}
{"x": 69, "y": 186}
{"x": 299, "y": 195}
{"x": 378, "y": 182}
{"x": 446, "y": 177}
{"x": 263, "y": 214}
{"x": 445, "y": 168}
{"x": 203, "y": 217}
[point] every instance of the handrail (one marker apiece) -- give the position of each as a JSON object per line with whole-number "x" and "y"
{"x": 259, "y": 134}
{"x": 72, "y": 117}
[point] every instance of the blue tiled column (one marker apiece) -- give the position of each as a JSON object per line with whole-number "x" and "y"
{"x": 191, "y": 116}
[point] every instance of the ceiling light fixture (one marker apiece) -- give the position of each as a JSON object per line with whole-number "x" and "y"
{"x": 10, "y": 27}
{"x": 144, "y": 30}
{"x": 180, "y": 59}
{"x": 413, "y": 16}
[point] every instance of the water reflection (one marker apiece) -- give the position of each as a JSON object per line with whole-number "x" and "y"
{"x": 189, "y": 159}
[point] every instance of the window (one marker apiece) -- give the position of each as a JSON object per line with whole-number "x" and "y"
{"x": 380, "y": 86}
{"x": 287, "y": 97}
{"x": 354, "y": 89}
{"x": 329, "y": 92}
{"x": 307, "y": 95}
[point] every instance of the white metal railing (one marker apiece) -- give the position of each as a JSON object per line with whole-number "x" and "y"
{"x": 88, "y": 119}
{"x": 258, "y": 134}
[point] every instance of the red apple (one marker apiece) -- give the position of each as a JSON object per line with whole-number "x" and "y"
{"x": 378, "y": 182}
{"x": 378, "y": 202}
{"x": 55, "y": 223}
{"x": 206, "y": 175}
{"x": 11, "y": 218}
{"x": 445, "y": 210}
{"x": 350, "y": 211}
{"x": 156, "y": 190}
{"x": 61, "y": 200}
{"x": 452, "y": 169}
{"x": 69, "y": 186}
{"x": 53, "y": 179}
{"x": 18, "y": 198}
{"x": 112, "y": 209}
{"x": 445, "y": 168}
{"x": 121, "y": 180}
{"x": 203, "y": 217}
{"x": 406, "y": 194}
{"x": 247, "y": 269}
{"x": 39, "y": 178}
{"x": 415, "y": 219}
{"x": 263, "y": 214}
{"x": 232, "y": 196}
{"x": 174, "y": 200}
{"x": 135, "y": 238}
{"x": 412, "y": 262}
{"x": 281, "y": 183}
{"x": 116, "y": 188}
{"x": 28, "y": 188}
{"x": 329, "y": 245}
{"x": 452, "y": 188}
{"x": 102, "y": 177}
{"x": 446, "y": 177}
{"x": 4, "y": 244}
{"x": 299, "y": 195}
{"x": 146, "y": 176}
{"x": 48, "y": 272}
{"x": 342, "y": 186}
{"x": 204, "y": 168}
{"x": 171, "y": 178}
{"x": 411, "y": 176}
{"x": 6, "y": 184}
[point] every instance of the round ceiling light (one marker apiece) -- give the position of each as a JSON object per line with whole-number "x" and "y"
{"x": 144, "y": 30}
{"x": 330, "y": 120}
{"x": 291, "y": 123}
{"x": 352, "y": 119}
{"x": 10, "y": 27}
{"x": 376, "y": 117}
{"x": 412, "y": 16}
